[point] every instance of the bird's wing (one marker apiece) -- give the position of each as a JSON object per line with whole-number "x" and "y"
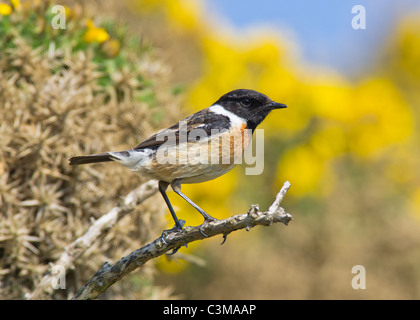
{"x": 202, "y": 124}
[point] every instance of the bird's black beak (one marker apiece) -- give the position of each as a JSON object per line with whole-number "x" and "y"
{"x": 275, "y": 105}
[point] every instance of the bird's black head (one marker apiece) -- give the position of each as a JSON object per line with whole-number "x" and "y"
{"x": 249, "y": 105}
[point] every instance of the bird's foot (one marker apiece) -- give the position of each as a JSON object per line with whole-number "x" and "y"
{"x": 177, "y": 228}
{"x": 204, "y": 224}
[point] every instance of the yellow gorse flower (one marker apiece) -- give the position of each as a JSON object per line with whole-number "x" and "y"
{"x": 16, "y": 4}
{"x": 5, "y": 9}
{"x": 95, "y": 34}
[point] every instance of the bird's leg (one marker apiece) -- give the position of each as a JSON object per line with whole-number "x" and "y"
{"x": 176, "y": 186}
{"x": 178, "y": 223}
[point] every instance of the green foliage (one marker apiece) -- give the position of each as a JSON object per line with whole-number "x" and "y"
{"x": 119, "y": 52}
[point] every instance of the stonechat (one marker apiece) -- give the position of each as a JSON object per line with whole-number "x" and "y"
{"x": 202, "y": 147}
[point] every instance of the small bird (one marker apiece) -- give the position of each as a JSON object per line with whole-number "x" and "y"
{"x": 198, "y": 148}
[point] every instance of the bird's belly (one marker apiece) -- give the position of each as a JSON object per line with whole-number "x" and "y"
{"x": 189, "y": 173}
{"x": 206, "y": 173}
{"x": 198, "y": 161}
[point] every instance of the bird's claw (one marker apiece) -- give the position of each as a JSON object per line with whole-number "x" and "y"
{"x": 205, "y": 223}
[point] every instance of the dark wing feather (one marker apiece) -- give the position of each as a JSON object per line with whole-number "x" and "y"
{"x": 204, "y": 120}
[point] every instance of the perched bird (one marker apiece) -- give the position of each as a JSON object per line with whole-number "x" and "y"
{"x": 199, "y": 148}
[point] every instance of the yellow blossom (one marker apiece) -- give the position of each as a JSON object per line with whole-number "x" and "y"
{"x": 5, "y": 9}
{"x": 95, "y": 34}
{"x": 304, "y": 167}
{"x": 184, "y": 14}
{"x": 384, "y": 117}
{"x": 16, "y": 4}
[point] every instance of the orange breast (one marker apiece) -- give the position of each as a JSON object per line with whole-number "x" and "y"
{"x": 232, "y": 145}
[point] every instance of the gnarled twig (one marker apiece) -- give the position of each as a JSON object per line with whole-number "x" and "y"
{"x": 108, "y": 275}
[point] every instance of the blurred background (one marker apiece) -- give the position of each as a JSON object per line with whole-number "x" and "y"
{"x": 348, "y": 143}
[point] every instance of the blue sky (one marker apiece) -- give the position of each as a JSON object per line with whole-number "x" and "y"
{"x": 322, "y": 29}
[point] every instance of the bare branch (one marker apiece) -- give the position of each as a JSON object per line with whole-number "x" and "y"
{"x": 279, "y": 197}
{"x": 108, "y": 275}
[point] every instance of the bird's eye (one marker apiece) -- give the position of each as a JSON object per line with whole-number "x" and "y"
{"x": 246, "y": 102}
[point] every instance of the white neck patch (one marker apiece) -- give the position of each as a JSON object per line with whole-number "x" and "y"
{"x": 234, "y": 119}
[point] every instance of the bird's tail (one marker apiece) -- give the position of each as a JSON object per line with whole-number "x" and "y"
{"x": 131, "y": 159}
{"x": 101, "y": 157}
